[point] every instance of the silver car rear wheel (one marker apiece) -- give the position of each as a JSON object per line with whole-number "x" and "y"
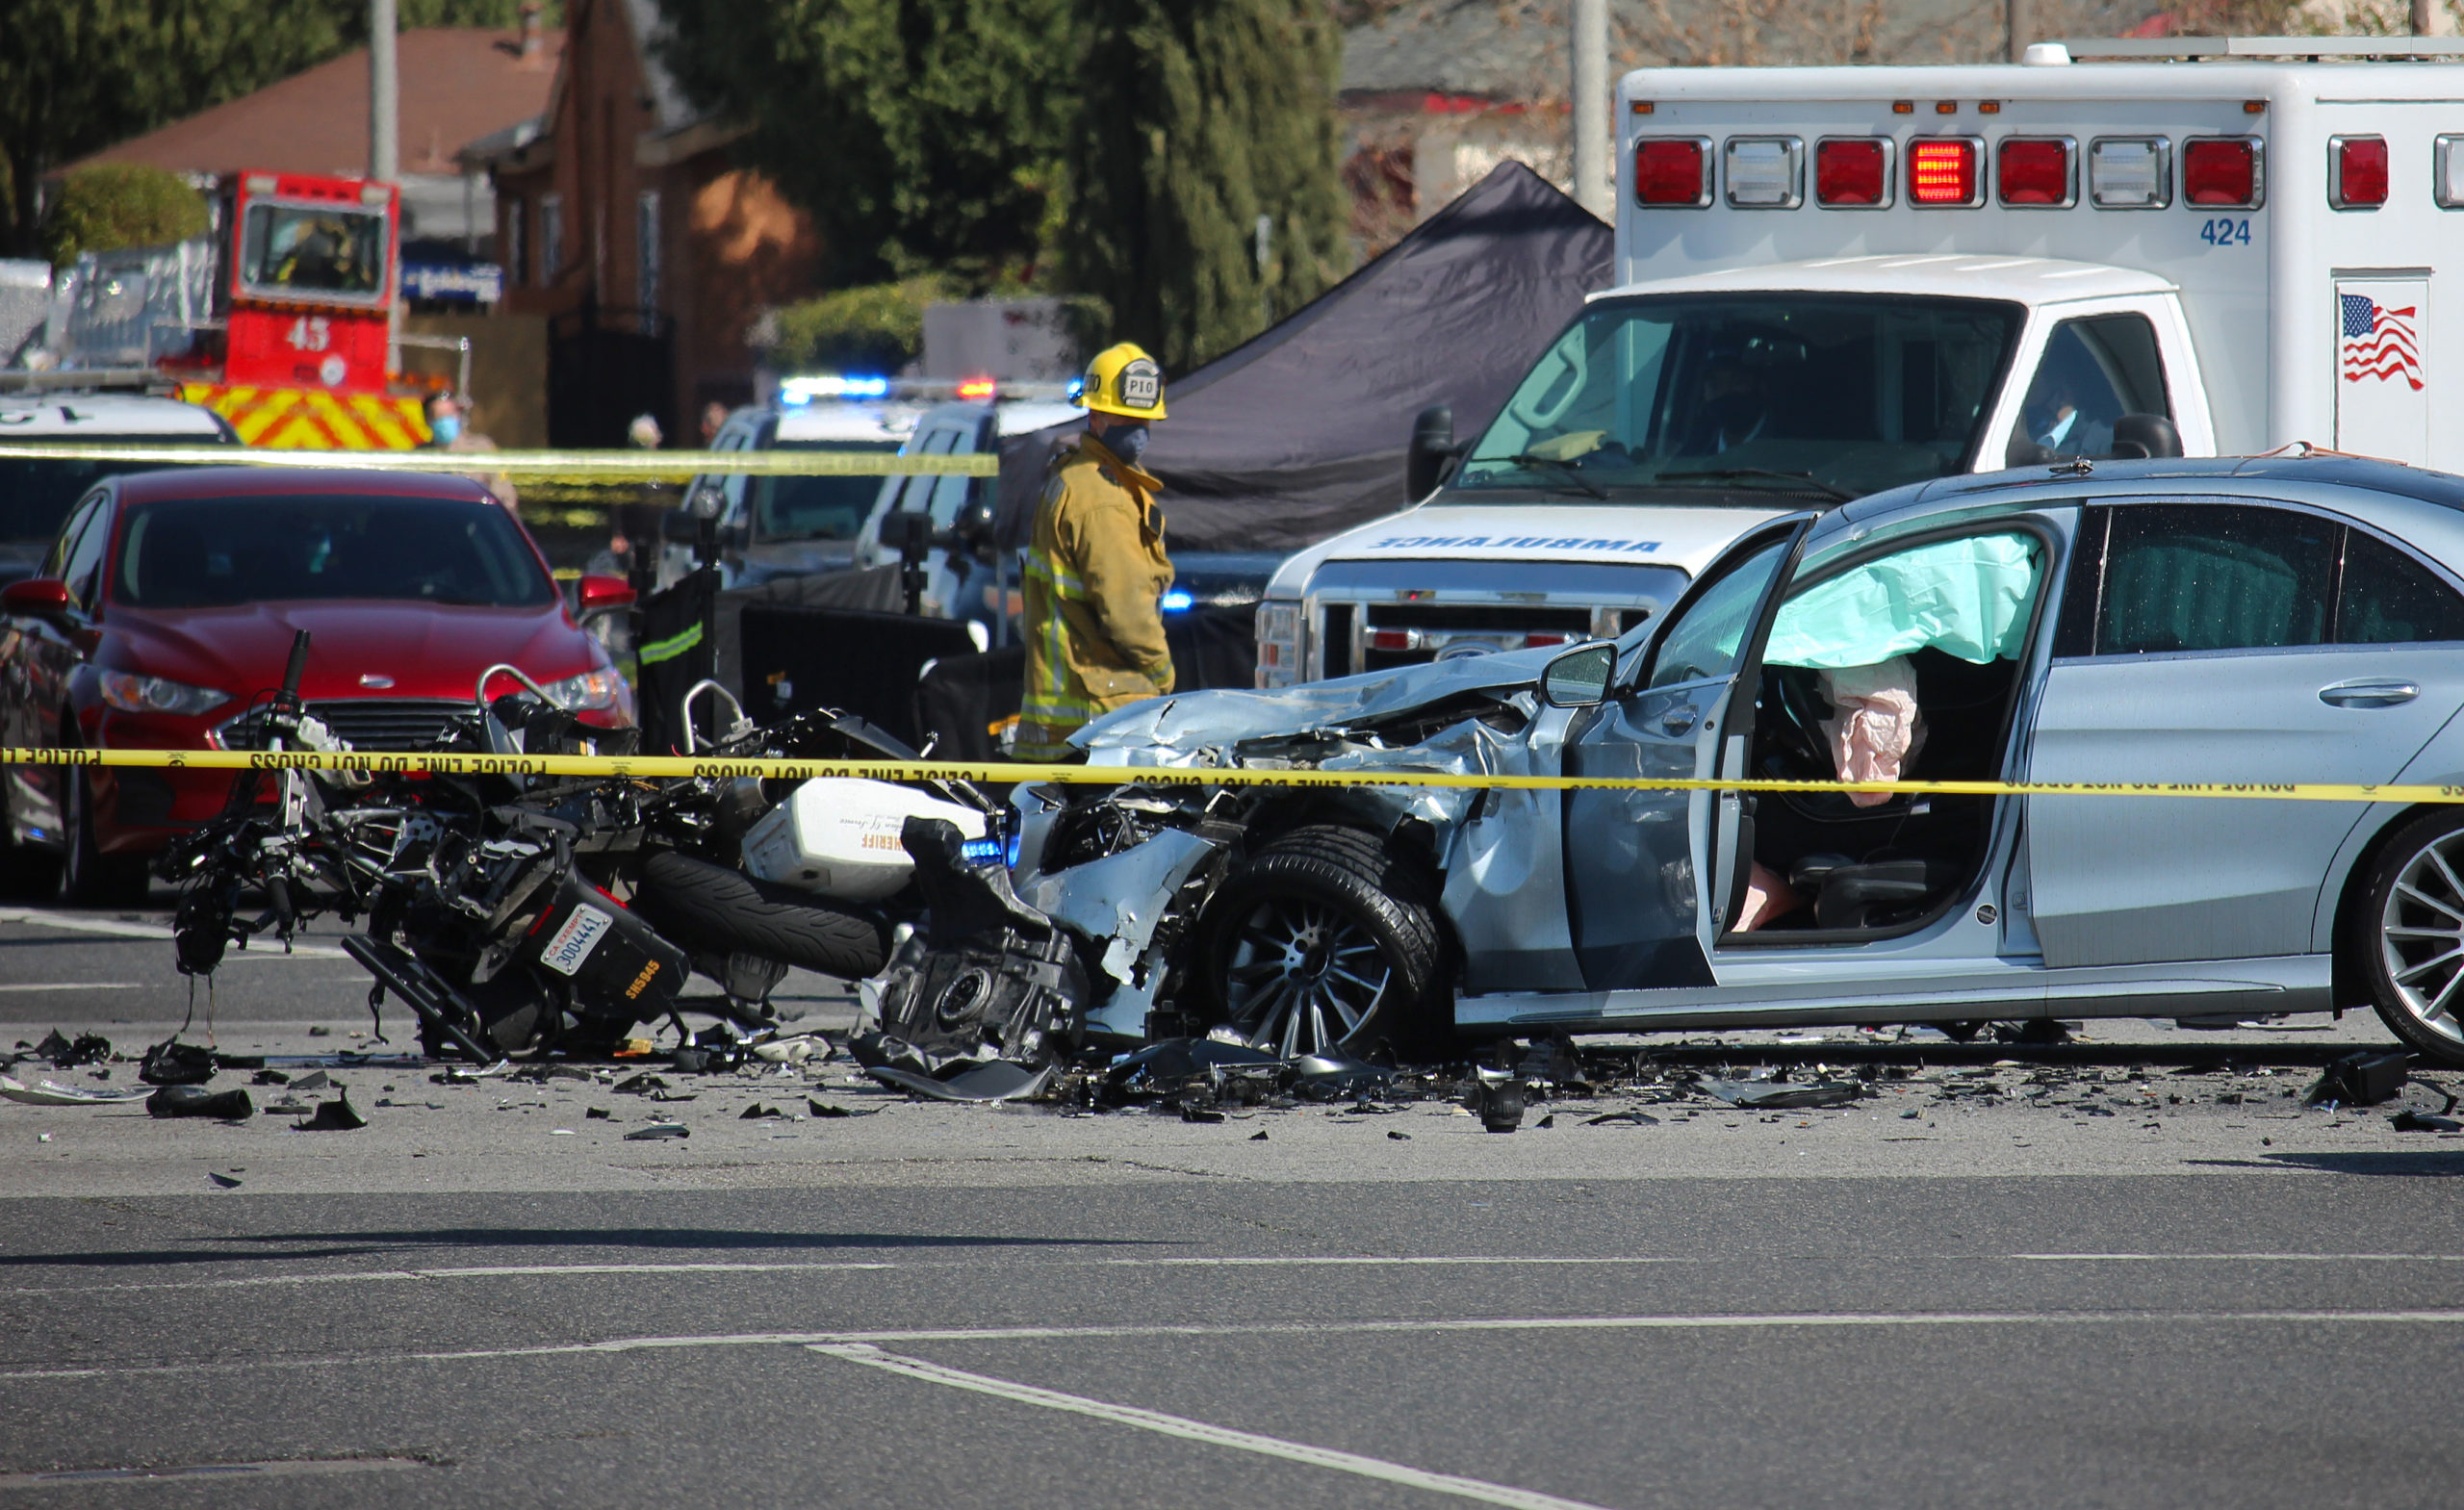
{"x": 2414, "y": 946}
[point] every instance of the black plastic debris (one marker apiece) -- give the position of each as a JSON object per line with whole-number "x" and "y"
{"x": 1782, "y": 1095}
{"x": 171, "y": 1063}
{"x": 2423, "y": 1122}
{"x": 289, "y": 1106}
{"x": 597, "y": 1113}
{"x": 1500, "y": 1105}
{"x": 2361, "y": 1079}
{"x": 227, "y": 1106}
{"x": 1638, "y": 1119}
{"x": 223, "y": 1182}
{"x": 62, "y": 1051}
{"x": 992, "y": 1080}
{"x": 756, "y": 1112}
{"x": 657, "y": 1130}
{"x": 269, "y": 1077}
{"x": 1258, "y": 1137}
{"x": 1195, "y": 1115}
{"x": 1399, "y": 1137}
{"x": 314, "y": 1079}
{"x": 1337, "y": 1073}
{"x": 689, "y": 1061}
{"x": 641, "y": 1085}
{"x": 337, "y": 1115}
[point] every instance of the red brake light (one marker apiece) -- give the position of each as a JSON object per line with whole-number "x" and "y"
{"x": 1851, "y": 172}
{"x": 1390, "y": 639}
{"x": 2034, "y": 170}
{"x": 1672, "y": 171}
{"x": 2359, "y": 180}
{"x": 1530, "y": 641}
{"x": 2221, "y": 171}
{"x": 1941, "y": 171}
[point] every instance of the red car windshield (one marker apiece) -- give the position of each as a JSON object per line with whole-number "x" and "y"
{"x": 225, "y": 552}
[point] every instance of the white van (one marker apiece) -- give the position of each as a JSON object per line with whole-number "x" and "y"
{"x": 1837, "y": 280}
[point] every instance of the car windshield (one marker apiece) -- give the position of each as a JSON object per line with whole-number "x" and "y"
{"x": 1822, "y": 394}
{"x": 36, "y": 494}
{"x": 226, "y": 552}
{"x": 817, "y": 508}
{"x": 320, "y": 249}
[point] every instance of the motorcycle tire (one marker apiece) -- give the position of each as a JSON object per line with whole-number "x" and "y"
{"x": 710, "y": 908}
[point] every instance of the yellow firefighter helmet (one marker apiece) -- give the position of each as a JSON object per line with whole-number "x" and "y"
{"x": 1125, "y": 380}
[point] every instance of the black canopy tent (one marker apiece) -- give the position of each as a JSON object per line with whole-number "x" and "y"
{"x": 1299, "y": 433}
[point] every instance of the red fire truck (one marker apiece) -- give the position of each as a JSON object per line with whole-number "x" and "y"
{"x": 307, "y": 285}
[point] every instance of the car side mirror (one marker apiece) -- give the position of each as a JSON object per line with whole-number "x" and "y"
{"x": 595, "y": 595}
{"x": 1579, "y": 677}
{"x": 2138, "y": 435}
{"x": 36, "y": 597}
{"x": 1431, "y": 453}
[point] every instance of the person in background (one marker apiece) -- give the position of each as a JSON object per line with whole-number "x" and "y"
{"x": 1096, "y": 565}
{"x": 714, "y": 417}
{"x": 448, "y": 430}
{"x": 635, "y": 544}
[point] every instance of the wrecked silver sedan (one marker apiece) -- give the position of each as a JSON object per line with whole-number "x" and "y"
{"x": 2287, "y": 620}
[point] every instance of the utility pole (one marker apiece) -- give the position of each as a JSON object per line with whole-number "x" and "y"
{"x": 2014, "y": 29}
{"x": 384, "y": 96}
{"x": 1587, "y": 112}
{"x": 2430, "y": 18}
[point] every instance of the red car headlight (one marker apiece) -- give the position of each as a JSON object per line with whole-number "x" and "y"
{"x": 131, "y": 693}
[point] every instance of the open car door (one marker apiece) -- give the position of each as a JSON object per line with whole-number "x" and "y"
{"x": 1636, "y": 860}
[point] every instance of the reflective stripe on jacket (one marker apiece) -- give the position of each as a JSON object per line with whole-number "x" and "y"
{"x": 1095, "y": 570}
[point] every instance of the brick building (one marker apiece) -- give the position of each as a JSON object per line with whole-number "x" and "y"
{"x": 621, "y": 218}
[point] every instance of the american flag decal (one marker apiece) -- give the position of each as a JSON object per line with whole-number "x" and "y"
{"x": 2378, "y": 342}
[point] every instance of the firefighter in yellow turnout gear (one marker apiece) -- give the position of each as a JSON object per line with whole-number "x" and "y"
{"x": 1096, "y": 565}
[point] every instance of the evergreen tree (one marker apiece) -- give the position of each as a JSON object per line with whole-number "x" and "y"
{"x": 921, "y": 135}
{"x": 1194, "y": 120}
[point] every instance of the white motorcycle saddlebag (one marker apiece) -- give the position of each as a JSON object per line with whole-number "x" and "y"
{"x": 839, "y": 835}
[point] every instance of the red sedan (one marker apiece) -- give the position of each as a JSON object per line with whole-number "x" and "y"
{"x": 165, "y": 612}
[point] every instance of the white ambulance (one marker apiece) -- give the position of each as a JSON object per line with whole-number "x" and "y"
{"x": 1834, "y": 281}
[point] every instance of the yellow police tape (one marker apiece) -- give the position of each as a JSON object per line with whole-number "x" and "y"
{"x": 990, "y": 773}
{"x": 634, "y": 465}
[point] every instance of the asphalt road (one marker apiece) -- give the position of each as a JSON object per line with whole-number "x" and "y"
{"x": 1936, "y": 1296}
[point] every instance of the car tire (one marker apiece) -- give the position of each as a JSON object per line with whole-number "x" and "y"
{"x": 712, "y": 909}
{"x": 93, "y": 878}
{"x": 2407, "y": 936}
{"x": 1322, "y": 941}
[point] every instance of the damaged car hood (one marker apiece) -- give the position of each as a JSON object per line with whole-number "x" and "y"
{"x": 1176, "y": 729}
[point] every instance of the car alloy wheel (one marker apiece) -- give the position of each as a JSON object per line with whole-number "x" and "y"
{"x": 1303, "y": 977}
{"x": 1320, "y": 941}
{"x": 2416, "y": 936}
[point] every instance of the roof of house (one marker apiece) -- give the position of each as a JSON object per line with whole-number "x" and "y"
{"x": 459, "y": 83}
{"x": 1514, "y": 51}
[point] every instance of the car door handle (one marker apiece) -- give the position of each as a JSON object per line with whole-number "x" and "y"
{"x": 1681, "y": 721}
{"x": 2369, "y": 693}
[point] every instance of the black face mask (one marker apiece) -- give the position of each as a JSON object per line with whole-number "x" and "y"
{"x": 1126, "y": 440}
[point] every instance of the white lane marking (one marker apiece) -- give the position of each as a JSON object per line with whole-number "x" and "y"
{"x": 1183, "y": 1427}
{"x": 72, "y": 986}
{"x": 297, "y": 1467}
{"x": 556, "y": 1271}
{"x": 1782, "y": 1321}
{"x": 124, "y": 928}
{"x": 2240, "y": 1258}
{"x": 1294, "y": 1261}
